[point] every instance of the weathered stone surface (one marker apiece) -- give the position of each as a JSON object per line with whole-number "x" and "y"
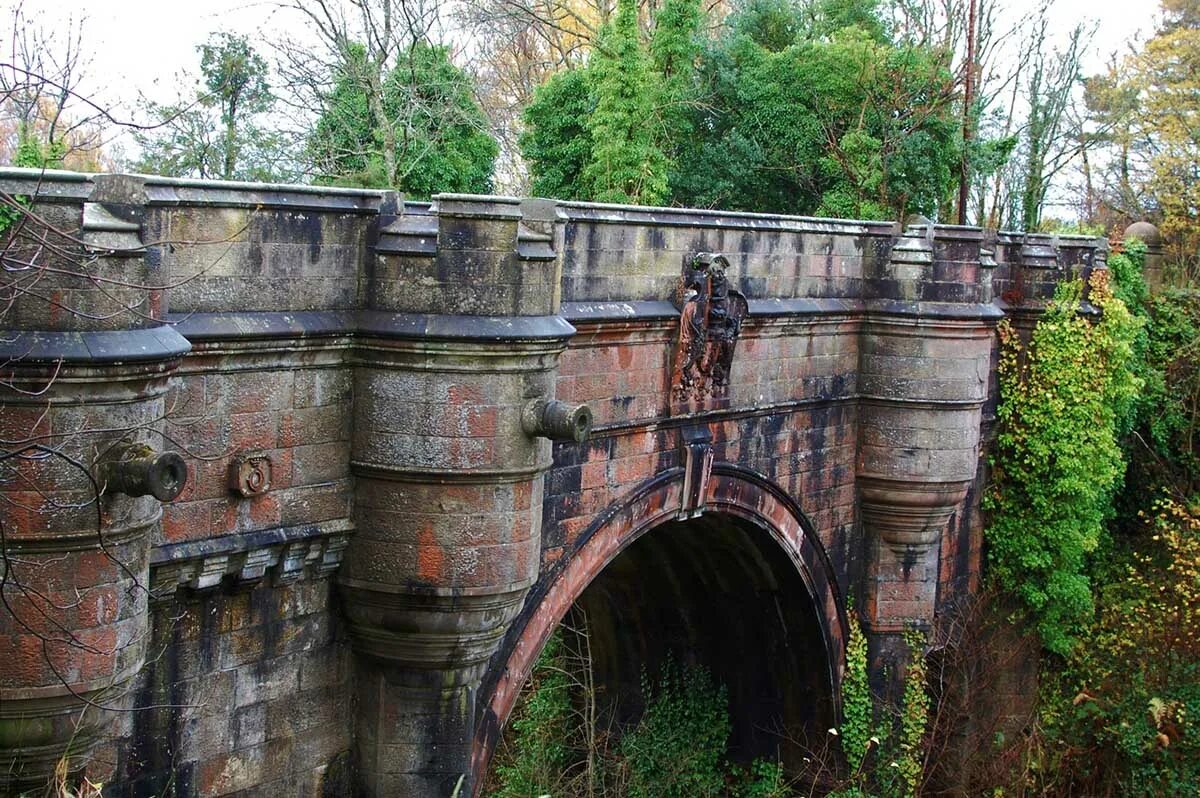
{"x": 359, "y": 623}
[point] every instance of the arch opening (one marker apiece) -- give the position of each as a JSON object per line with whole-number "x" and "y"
{"x": 716, "y": 592}
{"x": 723, "y": 592}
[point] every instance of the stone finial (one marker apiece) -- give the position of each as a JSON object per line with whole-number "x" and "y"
{"x": 1145, "y": 232}
{"x": 1152, "y": 269}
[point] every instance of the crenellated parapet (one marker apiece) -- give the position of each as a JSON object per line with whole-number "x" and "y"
{"x": 1031, "y": 265}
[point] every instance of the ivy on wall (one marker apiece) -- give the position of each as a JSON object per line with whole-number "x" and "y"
{"x": 1057, "y": 461}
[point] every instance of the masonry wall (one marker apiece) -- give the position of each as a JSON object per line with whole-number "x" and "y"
{"x": 367, "y": 506}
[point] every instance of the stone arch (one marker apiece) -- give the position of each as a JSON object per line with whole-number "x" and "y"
{"x": 734, "y": 492}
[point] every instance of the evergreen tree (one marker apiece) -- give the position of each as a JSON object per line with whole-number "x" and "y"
{"x": 627, "y": 164}
{"x": 782, "y": 114}
{"x": 219, "y": 133}
{"x": 556, "y": 142}
{"x": 445, "y": 146}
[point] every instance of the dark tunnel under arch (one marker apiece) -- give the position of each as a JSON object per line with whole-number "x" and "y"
{"x": 716, "y": 592}
{"x": 744, "y": 590}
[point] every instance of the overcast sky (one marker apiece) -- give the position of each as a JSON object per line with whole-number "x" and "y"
{"x": 139, "y": 45}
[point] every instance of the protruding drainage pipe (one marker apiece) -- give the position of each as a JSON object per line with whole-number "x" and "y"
{"x": 559, "y": 421}
{"x": 135, "y": 469}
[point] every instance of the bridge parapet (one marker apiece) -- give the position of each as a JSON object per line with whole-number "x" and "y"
{"x": 368, "y": 379}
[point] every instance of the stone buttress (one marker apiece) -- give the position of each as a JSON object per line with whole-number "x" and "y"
{"x": 454, "y": 388}
{"x": 925, "y": 359}
{"x": 85, "y": 365}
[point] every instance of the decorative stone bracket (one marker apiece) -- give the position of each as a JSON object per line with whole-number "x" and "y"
{"x": 250, "y": 474}
{"x": 285, "y": 554}
{"x": 696, "y": 443}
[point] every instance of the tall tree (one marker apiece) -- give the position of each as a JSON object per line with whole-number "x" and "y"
{"x": 387, "y": 95}
{"x": 44, "y": 122}
{"x": 220, "y": 131}
{"x": 442, "y": 145}
{"x": 1167, "y": 74}
{"x": 556, "y": 141}
{"x": 627, "y": 163}
{"x": 1048, "y": 141}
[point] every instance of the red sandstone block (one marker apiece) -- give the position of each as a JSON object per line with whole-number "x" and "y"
{"x": 551, "y": 556}
{"x": 188, "y": 520}
{"x": 466, "y": 393}
{"x": 591, "y": 387}
{"x": 22, "y": 423}
{"x": 253, "y": 431}
{"x": 907, "y": 610}
{"x": 593, "y": 475}
{"x": 313, "y": 503}
{"x": 185, "y": 397}
{"x": 252, "y": 392}
{"x": 572, "y": 528}
{"x": 566, "y": 388}
{"x": 482, "y": 421}
{"x": 632, "y": 470}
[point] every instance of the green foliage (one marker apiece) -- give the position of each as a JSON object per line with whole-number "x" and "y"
{"x": 557, "y": 142}
{"x": 540, "y": 730}
{"x": 426, "y": 134}
{"x": 795, "y": 109}
{"x": 1128, "y": 283}
{"x": 1124, "y": 714}
{"x": 1057, "y": 460}
{"x": 1160, "y": 427}
{"x": 764, "y": 780}
{"x": 1172, "y": 402}
{"x": 675, "y": 749}
{"x": 218, "y": 132}
{"x": 857, "y": 707}
{"x": 627, "y": 162}
{"x": 841, "y": 124}
{"x": 909, "y": 753}
{"x": 11, "y": 212}
{"x": 678, "y": 747}
{"x": 33, "y": 153}
{"x": 885, "y": 752}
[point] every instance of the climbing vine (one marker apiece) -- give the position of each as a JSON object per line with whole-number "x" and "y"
{"x": 856, "y": 729}
{"x": 884, "y": 747}
{"x": 1057, "y": 461}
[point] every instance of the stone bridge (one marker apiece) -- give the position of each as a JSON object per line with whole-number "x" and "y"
{"x": 358, "y": 457}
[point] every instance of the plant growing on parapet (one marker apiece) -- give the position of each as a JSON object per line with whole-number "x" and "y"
{"x": 1057, "y": 461}
{"x": 857, "y": 732}
{"x": 1160, "y": 432}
